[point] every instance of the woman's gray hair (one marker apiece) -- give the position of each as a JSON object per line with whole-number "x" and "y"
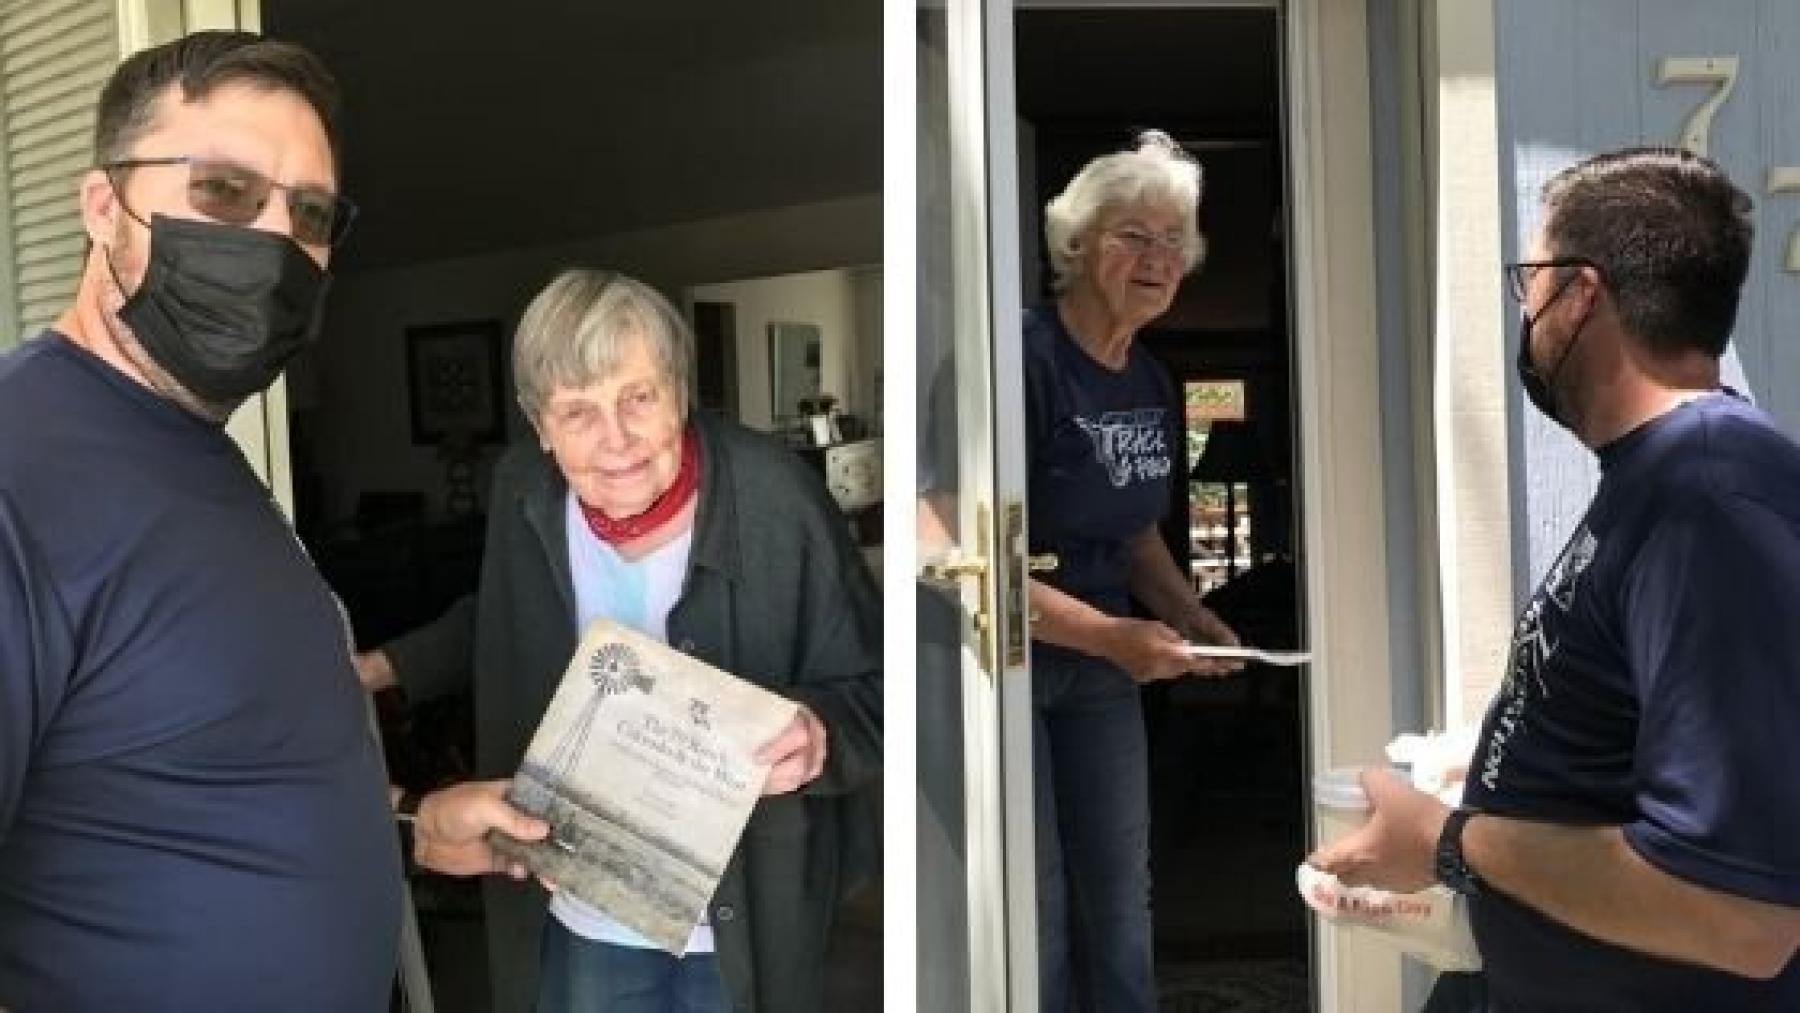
{"x": 1157, "y": 173}
{"x": 574, "y": 331}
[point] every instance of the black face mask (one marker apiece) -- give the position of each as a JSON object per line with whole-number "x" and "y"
{"x": 223, "y": 309}
{"x": 1539, "y": 389}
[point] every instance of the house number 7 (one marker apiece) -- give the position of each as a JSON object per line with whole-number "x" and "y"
{"x": 1716, "y": 70}
{"x": 1696, "y": 133}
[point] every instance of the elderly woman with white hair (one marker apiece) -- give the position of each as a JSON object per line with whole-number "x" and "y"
{"x": 1105, "y": 438}
{"x": 714, "y": 539}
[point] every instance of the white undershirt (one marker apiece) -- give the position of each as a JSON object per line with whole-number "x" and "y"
{"x": 639, "y": 594}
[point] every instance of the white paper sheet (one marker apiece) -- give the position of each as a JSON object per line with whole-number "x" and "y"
{"x": 1250, "y": 654}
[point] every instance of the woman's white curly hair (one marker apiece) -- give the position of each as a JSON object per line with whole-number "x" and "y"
{"x": 1157, "y": 173}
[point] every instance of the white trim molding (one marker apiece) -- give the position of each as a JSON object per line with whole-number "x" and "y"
{"x": 1471, "y": 376}
{"x": 1337, "y": 354}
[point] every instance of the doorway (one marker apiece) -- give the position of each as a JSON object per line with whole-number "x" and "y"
{"x": 1228, "y": 814}
{"x": 980, "y": 155}
{"x": 688, "y": 144}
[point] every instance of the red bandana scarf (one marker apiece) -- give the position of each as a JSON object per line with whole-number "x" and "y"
{"x": 673, "y": 500}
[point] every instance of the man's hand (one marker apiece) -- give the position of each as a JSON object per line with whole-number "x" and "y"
{"x": 1397, "y": 849}
{"x": 797, "y": 754}
{"x": 450, "y": 833}
{"x": 374, "y": 670}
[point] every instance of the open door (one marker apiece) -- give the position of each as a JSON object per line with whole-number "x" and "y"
{"x": 977, "y": 923}
{"x": 977, "y": 917}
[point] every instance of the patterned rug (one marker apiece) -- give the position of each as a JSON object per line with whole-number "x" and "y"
{"x": 1234, "y": 986}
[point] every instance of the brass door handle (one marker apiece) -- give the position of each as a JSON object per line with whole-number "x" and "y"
{"x": 950, "y": 570}
{"x": 1043, "y": 562}
{"x": 953, "y": 569}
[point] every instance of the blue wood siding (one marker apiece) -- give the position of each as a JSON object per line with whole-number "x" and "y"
{"x": 1577, "y": 77}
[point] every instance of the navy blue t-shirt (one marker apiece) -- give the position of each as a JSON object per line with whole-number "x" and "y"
{"x": 192, "y": 811}
{"x": 1103, "y": 445}
{"x": 1654, "y": 683}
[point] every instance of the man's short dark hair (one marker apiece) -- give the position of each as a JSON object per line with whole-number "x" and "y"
{"x": 1670, "y": 234}
{"x": 199, "y": 64}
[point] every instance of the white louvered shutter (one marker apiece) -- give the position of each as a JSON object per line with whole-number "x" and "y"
{"x": 54, "y": 57}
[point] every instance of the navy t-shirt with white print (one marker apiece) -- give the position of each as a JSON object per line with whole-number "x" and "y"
{"x": 1654, "y": 684}
{"x": 1103, "y": 445}
{"x": 193, "y": 814}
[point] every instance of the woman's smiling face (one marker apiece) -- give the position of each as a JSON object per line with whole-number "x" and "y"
{"x": 617, "y": 441}
{"x": 1133, "y": 260}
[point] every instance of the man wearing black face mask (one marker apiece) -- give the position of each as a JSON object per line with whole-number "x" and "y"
{"x": 1630, "y": 832}
{"x": 191, "y": 808}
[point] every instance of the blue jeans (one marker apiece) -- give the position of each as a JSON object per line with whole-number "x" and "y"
{"x": 585, "y": 976}
{"x": 1093, "y": 837}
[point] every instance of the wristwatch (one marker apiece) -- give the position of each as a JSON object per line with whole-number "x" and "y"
{"x": 1452, "y": 870}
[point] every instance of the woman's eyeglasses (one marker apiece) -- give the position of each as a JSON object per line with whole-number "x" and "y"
{"x": 1139, "y": 242}
{"x": 235, "y": 195}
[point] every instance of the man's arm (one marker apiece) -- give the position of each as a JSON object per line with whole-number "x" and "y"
{"x": 1592, "y": 880}
{"x": 19, "y": 707}
{"x": 36, "y": 659}
{"x": 1587, "y": 878}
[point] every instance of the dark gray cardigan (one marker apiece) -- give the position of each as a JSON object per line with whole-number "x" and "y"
{"x": 775, "y": 593}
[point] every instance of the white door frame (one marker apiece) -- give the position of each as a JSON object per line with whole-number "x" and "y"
{"x": 1474, "y": 537}
{"x": 260, "y": 427}
{"x": 1337, "y": 357}
{"x": 997, "y": 713}
{"x": 1017, "y": 716}
{"x": 997, "y": 842}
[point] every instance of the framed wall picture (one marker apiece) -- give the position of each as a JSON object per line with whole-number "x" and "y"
{"x": 455, "y": 382}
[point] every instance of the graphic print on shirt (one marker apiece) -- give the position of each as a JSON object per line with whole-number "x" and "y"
{"x": 1533, "y": 649}
{"x": 1133, "y": 446}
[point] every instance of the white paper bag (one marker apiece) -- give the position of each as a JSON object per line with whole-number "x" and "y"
{"x": 1432, "y": 924}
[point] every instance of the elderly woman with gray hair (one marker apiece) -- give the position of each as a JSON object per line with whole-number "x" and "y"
{"x": 1105, "y": 438}
{"x": 713, "y": 539}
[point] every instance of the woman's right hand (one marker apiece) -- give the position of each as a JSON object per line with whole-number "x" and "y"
{"x": 1146, "y": 649}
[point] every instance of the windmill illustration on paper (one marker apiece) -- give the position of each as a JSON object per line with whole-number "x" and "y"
{"x": 614, "y": 669}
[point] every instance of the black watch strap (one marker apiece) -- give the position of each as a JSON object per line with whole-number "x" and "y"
{"x": 1452, "y": 869}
